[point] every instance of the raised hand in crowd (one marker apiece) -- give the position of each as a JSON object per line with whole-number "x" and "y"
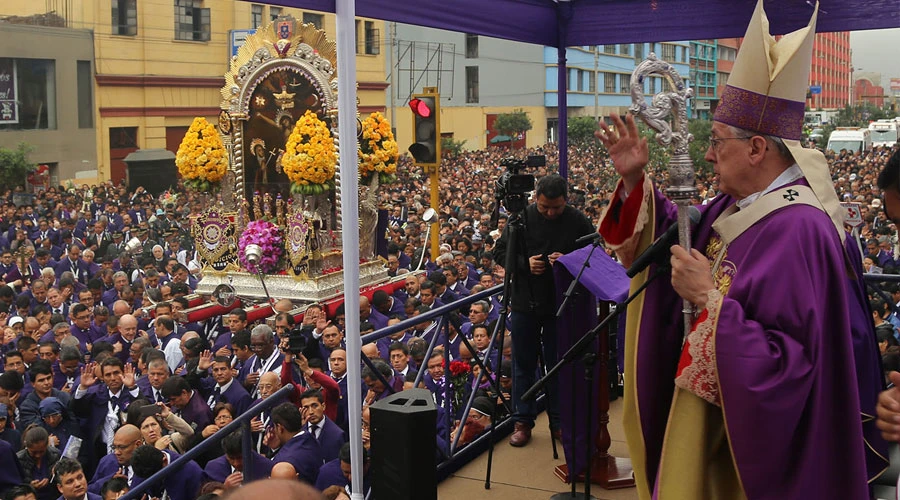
{"x": 205, "y": 360}
{"x": 128, "y": 378}
{"x": 88, "y": 375}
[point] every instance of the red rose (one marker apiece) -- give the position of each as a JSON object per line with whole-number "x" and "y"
{"x": 459, "y": 368}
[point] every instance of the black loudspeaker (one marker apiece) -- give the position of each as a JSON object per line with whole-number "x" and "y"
{"x": 404, "y": 451}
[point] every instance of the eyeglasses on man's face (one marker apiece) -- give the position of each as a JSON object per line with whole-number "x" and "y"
{"x": 716, "y": 142}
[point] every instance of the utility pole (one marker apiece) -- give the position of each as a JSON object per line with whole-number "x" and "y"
{"x": 392, "y": 36}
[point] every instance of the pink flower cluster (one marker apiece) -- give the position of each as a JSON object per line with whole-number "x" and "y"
{"x": 268, "y": 237}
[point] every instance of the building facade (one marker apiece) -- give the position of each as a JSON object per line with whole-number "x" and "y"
{"x": 868, "y": 88}
{"x": 599, "y": 78}
{"x": 160, "y": 63}
{"x": 47, "y": 95}
{"x": 830, "y": 73}
{"x": 704, "y": 77}
{"x": 478, "y": 78}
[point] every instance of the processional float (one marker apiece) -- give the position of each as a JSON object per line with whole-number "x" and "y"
{"x": 276, "y": 213}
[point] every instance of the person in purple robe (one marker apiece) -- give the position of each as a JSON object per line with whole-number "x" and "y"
{"x": 229, "y": 468}
{"x": 778, "y": 354}
{"x": 297, "y": 446}
{"x": 147, "y": 460}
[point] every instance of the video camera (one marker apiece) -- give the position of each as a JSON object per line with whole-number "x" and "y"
{"x": 512, "y": 186}
{"x": 297, "y": 340}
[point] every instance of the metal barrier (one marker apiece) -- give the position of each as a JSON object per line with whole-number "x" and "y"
{"x": 242, "y": 421}
{"x": 453, "y": 455}
{"x": 441, "y": 314}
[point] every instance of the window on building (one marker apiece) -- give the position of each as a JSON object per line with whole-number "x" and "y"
{"x": 580, "y": 86}
{"x": 471, "y": 46}
{"x": 471, "y": 84}
{"x": 27, "y": 94}
{"x": 191, "y": 21}
{"x": 85, "y": 95}
{"x": 624, "y": 84}
{"x": 624, "y": 49}
{"x": 359, "y": 47}
{"x": 609, "y": 49}
{"x": 274, "y": 12}
{"x": 314, "y": 19}
{"x": 639, "y": 52}
{"x": 372, "y": 38}
{"x": 609, "y": 83}
{"x": 651, "y": 85}
{"x": 592, "y": 82}
{"x": 124, "y": 17}
{"x": 668, "y": 52}
{"x": 256, "y": 16}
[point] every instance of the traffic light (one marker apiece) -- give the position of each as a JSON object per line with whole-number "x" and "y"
{"x": 426, "y": 146}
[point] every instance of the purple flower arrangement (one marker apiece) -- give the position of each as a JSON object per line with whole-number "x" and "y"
{"x": 268, "y": 237}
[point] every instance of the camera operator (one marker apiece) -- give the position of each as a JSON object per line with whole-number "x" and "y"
{"x": 551, "y": 230}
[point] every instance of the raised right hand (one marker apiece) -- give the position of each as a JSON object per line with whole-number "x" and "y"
{"x": 205, "y": 361}
{"x": 88, "y": 378}
{"x": 627, "y": 149}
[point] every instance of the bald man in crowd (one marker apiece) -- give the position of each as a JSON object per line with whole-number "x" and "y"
{"x": 118, "y": 463}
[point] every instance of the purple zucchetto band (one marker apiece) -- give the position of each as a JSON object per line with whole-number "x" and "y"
{"x": 760, "y": 113}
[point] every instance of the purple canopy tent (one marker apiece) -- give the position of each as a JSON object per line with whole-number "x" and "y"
{"x": 560, "y": 24}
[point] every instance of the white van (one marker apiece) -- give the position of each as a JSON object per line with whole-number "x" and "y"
{"x": 884, "y": 133}
{"x": 851, "y": 139}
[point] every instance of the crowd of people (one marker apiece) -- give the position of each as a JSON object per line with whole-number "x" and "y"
{"x": 104, "y": 382}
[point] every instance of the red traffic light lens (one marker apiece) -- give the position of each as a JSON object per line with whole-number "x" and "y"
{"x": 420, "y": 108}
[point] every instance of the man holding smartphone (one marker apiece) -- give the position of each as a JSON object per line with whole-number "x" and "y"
{"x": 551, "y": 230}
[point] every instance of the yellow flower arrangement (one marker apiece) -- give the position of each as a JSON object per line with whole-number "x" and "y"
{"x": 309, "y": 158}
{"x": 201, "y": 158}
{"x": 377, "y": 149}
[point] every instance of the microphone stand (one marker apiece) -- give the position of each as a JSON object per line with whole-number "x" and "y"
{"x": 580, "y": 350}
{"x": 589, "y": 359}
{"x": 571, "y": 289}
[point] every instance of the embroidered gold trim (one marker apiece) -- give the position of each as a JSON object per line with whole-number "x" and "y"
{"x": 699, "y": 377}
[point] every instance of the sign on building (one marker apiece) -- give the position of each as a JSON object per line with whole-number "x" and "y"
{"x": 237, "y": 39}
{"x": 9, "y": 107}
{"x": 815, "y": 89}
{"x": 895, "y": 83}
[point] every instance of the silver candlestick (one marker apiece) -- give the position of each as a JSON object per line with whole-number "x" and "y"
{"x": 671, "y": 102}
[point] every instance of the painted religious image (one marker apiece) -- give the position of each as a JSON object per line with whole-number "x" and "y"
{"x": 277, "y": 102}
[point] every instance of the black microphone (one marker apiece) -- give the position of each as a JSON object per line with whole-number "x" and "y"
{"x": 590, "y": 237}
{"x": 660, "y": 247}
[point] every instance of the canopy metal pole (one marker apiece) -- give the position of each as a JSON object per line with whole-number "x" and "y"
{"x": 345, "y": 11}
{"x": 562, "y": 16}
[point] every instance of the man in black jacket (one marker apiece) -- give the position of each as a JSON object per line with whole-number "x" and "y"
{"x": 550, "y": 231}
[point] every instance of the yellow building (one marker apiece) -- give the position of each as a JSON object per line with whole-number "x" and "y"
{"x": 159, "y": 63}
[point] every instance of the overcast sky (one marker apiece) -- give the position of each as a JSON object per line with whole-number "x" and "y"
{"x": 876, "y": 51}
